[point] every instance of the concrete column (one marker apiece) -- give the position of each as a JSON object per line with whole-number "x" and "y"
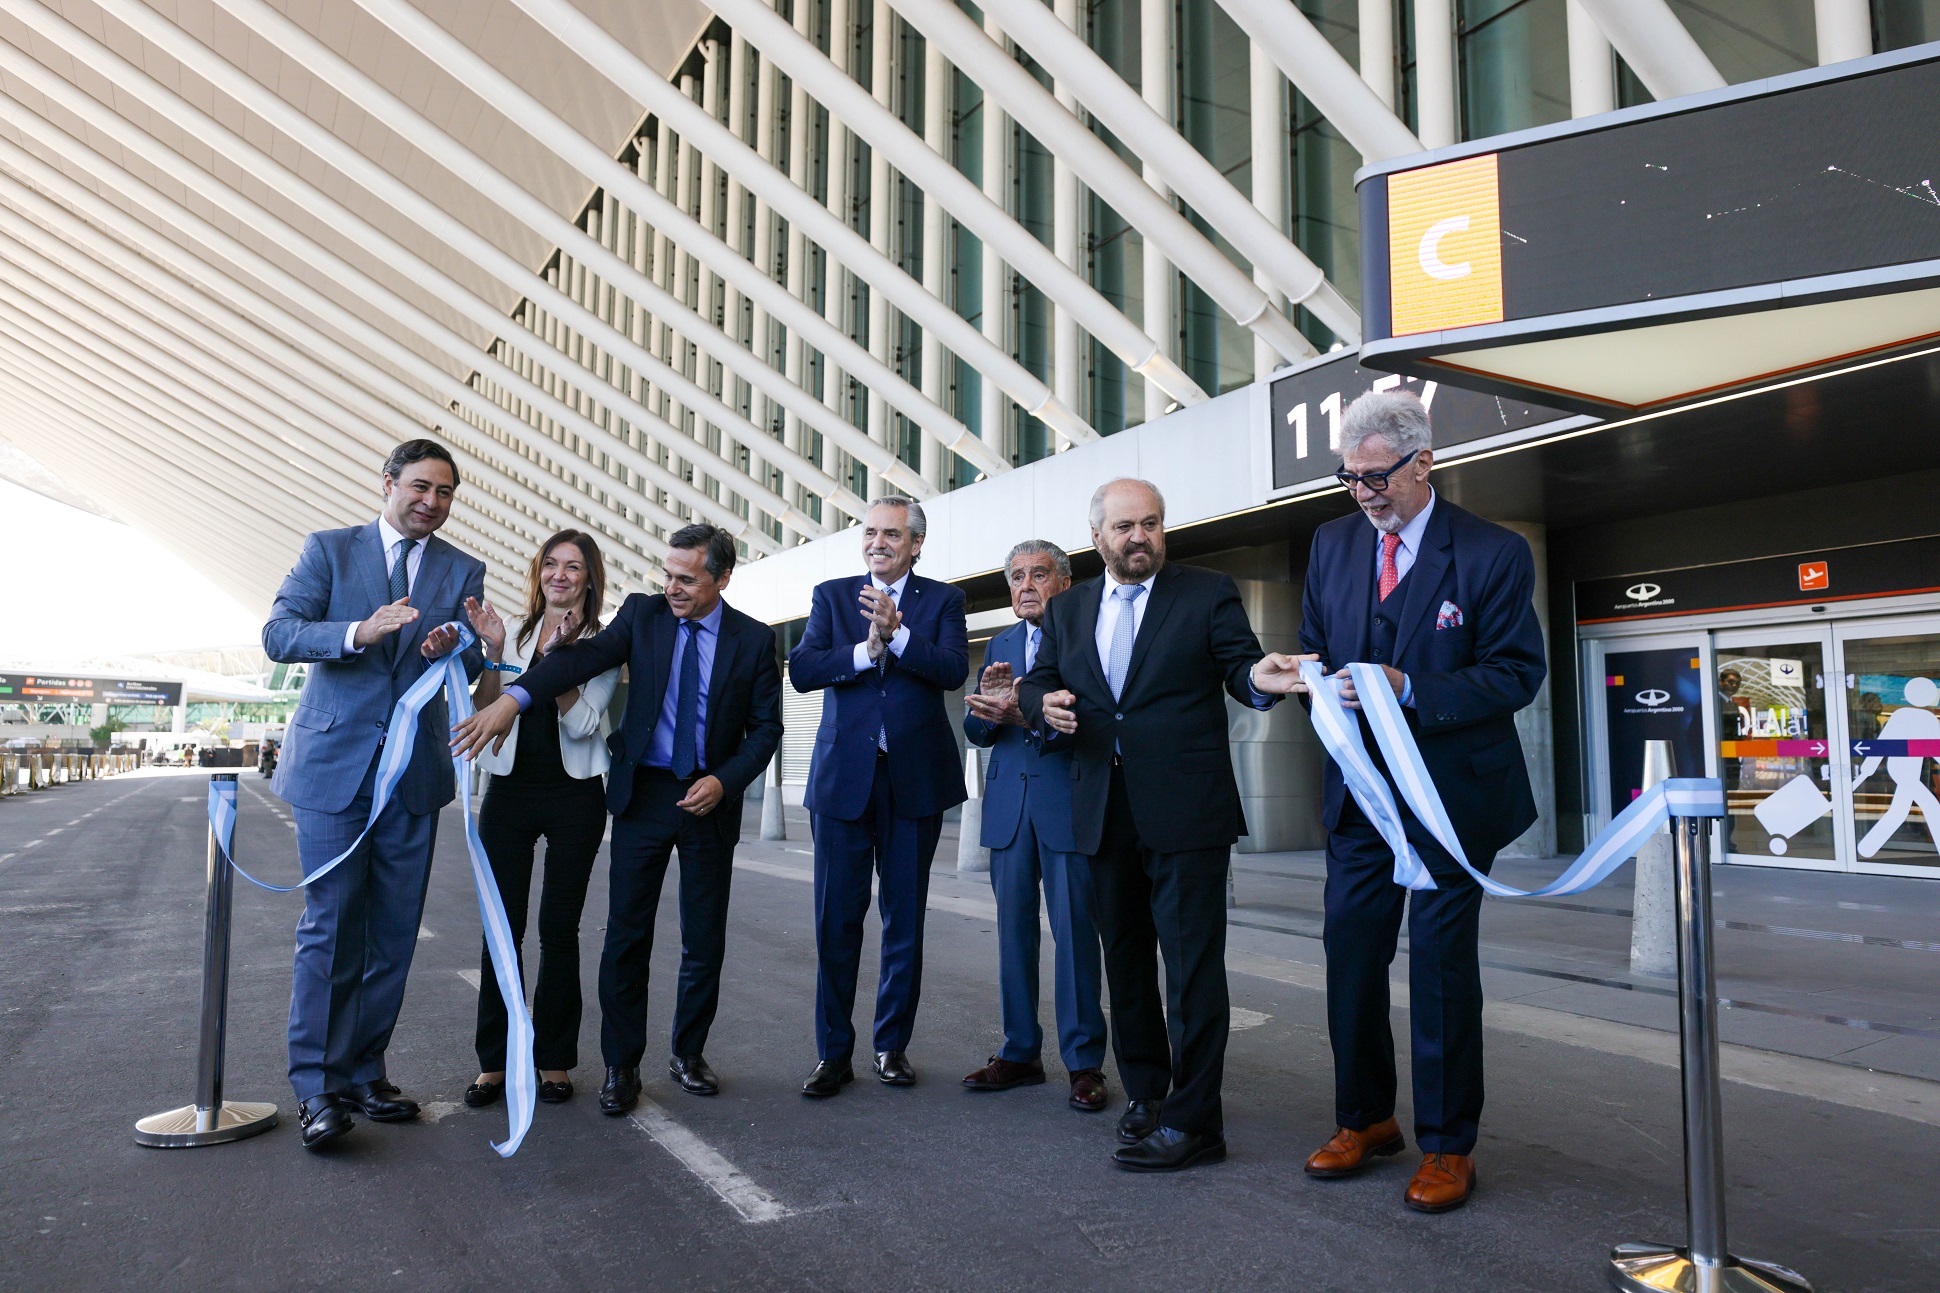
{"x": 1593, "y": 65}
{"x": 1155, "y": 86}
{"x": 1845, "y": 29}
{"x": 181, "y": 719}
{"x": 1377, "y": 47}
{"x": 972, "y": 856}
{"x": 774, "y": 819}
{"x": 1437, "y": 97}
{"x": 1534, "y": 724}
{"x": 1653, "y": 902}
{"x": 1276, "y": 755}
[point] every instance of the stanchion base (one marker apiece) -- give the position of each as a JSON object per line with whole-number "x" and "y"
{"x": 176, "y": 1129}
{"x": 1659, "y": 1268}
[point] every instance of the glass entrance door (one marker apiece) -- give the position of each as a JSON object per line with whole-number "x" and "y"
{"x": 1891, "y": 677}
{"x": 1778, "y": 741}
{"x": 1652, "y": 689}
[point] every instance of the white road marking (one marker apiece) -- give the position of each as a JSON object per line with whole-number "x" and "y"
{"x": 32, "y": 844}
{"x": 434, "y": 1110}
{"x": 424, "y": 933}
{"x": 75, "y": 822}
{"x": 734, "y": 1186}
{"x": 469, "y": 976}
{"x": 1244, "y": 1019}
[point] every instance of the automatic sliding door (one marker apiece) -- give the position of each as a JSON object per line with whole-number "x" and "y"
{"x": 1893, "y": 713}
{"x": 1776, "y": 745}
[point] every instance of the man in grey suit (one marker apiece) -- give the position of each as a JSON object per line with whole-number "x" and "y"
{"x": 361, "y": 608}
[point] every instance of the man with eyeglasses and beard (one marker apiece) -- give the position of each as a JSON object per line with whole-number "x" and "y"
{"x": 1440, "y": 599}
{"x": 1135, "y": 667}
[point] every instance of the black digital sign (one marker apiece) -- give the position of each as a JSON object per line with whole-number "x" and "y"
{"x": 48, "y": 689}
{"x": 1307, "y": 406}
{"x": 1797, "y": 579}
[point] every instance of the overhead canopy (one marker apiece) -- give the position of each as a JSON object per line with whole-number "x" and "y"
{"x": 1718, "y": 242}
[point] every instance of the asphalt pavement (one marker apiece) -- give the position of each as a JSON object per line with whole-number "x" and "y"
{"x": 1830, "y": 1160}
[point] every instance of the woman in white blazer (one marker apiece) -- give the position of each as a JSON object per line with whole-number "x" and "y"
{"x": 547, "y": 779}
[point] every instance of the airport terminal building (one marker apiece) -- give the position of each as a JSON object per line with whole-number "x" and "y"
{"x": 1664, "y": 272}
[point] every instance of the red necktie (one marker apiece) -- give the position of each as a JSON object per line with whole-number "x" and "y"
{"x": 1390, "y": 573}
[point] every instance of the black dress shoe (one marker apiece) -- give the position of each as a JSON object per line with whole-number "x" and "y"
{"x": 894, "y": 1070}
{"x": 380, "y": 1101}
{"x": 480, "y": 1095}
{"x": 621, "y": 1092}
{"x": 1140, "y": 1119}
{"x": 694, "y": 1076}
{"x": 829, "y": 1077}
{"x": 324, "y": 1118}
{"x": 1166, "y": 1150}
{"x": 555, "y": 1092}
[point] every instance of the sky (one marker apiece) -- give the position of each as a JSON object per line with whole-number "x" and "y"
{"x": 83, "y": 585}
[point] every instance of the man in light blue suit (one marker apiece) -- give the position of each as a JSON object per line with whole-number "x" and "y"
{"x": 361, "y": 609}
{"x": 1027, "y": 828}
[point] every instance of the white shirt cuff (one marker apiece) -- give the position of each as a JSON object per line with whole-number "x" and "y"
{"x": 898, "y": 640}
{"x": 350, "y": 639}
{"x": 863, "y": 664}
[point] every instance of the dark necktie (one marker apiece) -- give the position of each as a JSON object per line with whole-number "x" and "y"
{"x": 400, "y": 571}
{"x": 687, "y": 705}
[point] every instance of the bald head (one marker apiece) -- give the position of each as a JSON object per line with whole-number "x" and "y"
{"x": 1128, "y": 528}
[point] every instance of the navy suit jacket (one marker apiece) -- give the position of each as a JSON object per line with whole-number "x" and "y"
{"x": 1469, "y": 678}
{"x": 1027, "y": 772}
{"x": 346, "y": 703}
{"x": 743, "y": 694}
{"x": 906, "y": 697}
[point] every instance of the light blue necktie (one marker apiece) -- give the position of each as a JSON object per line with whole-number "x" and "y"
{"x": 1122, "y": 633}
{"x": 1030, "y": 649}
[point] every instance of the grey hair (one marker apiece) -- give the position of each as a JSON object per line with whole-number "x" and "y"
{"x": 1098, "y": 498}
{"x": 1396, "y": 416}
{"x": 919, "y": 524}
{"x": 1040, "y": 548}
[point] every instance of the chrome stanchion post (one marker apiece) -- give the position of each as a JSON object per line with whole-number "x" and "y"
{"x": 1705, "y": 1265}
{"x": 210, "y": 1120}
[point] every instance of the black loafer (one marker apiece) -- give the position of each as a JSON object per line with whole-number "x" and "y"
{"x": 380, "y": 1101}
{"x": 694, "y": 1076}
{"x": 621, "y": 1092}
{"x": 555, "y": 1092}
{"x": 894, "y": 1070}
{"x": 481, "y": 1095}
{"x": 829, "y": 1077}
{"x": 1166, "y": 1150}
{"x": 324, "y": 1118}
{"x": 1140, "y": 1119}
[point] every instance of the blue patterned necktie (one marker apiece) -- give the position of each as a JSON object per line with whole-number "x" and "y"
{"x": 1122, "y": 633}
{"x": 400, "y": 571}
{"x": 687, "y": 704}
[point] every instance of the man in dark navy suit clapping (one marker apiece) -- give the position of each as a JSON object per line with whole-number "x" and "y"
{"x": 883, "y": 648}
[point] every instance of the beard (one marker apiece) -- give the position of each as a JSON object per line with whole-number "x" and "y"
{"x": 1119, "y": 564}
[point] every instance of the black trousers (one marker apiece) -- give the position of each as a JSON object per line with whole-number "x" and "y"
{"x": 1363, "y": 921}
{"x": 1150, "y": 904}
{"x": 644, "y": 838}
{"x": 572, "y": 819}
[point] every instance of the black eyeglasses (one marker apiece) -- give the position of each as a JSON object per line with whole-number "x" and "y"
{"x": 1374, "y": 480}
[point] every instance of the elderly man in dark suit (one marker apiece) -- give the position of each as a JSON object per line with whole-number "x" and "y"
{"x": 1136, "y": 666}
{"x": 883, "y": 648}
{"x": 1440, "y": 599}
{"x": 361, "y": 608}
{"x": 703, "y": 717}
{"x": 1027, "y": 828}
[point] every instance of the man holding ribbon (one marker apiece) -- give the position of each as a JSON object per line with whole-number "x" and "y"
{"x": 883, "y": 648}
{"x": 1439, "y": 600}
{"x": 356, "y": 609}
{"x": 703, "y": 717}
{"x": 1136, "y": 666}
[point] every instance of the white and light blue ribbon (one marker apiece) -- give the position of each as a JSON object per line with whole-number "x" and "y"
{"x": 400, "y": 738}
{"x": 1340, "y": 733}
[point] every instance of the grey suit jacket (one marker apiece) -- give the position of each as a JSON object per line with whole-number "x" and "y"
{"x": 347, "y": 698}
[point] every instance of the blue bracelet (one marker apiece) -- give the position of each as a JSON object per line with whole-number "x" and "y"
{"x": 503, "y": 668}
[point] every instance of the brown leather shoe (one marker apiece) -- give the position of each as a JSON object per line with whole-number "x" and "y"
{"x": 1442, "y": 1183}
{"x": 1349, "y": 1151}
{"x": 1088, "y": 1092}
{"x": 1002, "y": 1074}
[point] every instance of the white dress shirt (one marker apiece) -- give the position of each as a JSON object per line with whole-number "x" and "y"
{"x": 897, "y": 640}
{"x": 1109, "y": 609}
{"x": 1404, "y": 556}
{"x": 583, "y": 725}
{"x": 1404, "y": 561}
{"x": 391, "y": 539}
